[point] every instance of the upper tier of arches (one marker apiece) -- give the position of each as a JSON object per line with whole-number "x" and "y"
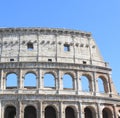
{"x": 56, "y": 81}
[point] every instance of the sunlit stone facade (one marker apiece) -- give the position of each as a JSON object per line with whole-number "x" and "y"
{"x": 42, "y": 75}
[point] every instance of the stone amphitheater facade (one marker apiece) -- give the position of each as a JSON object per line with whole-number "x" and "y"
{"x": 36, "y": 63}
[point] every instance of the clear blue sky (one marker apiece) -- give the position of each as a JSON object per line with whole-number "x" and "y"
{"x": 101, "y": 17}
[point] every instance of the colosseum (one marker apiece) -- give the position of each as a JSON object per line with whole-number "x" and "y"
{"x": 54, "y": 73}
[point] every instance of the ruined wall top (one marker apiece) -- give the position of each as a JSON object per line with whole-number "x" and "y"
{"x": 48, "y": 45}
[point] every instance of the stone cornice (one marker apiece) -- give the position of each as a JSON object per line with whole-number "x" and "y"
{"x": 56, "y": 31}
{"x": 54, "y": 65}
{"x": 62, "y": 97}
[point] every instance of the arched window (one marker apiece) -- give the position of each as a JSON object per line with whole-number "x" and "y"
{"x": 30, "y": 80}
{"x": 10, "y": 112}
{"x": 106, "y": 113}
{"x": 85, "y": 83}
{"x": 11, "y": 81}
{"x": 88, "y": 113}
{"x": 50, "y": 112}
{"x": 49, "y": 80}
{"x": 30, "y": 46}
{"x": 30, "y": 112}
{"x": 69, "y": 112}
{"x": 67, "y": 81}
{"x": 101, "y": 85}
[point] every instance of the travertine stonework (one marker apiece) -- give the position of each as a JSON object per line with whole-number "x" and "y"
{"x": 57, "y": 52}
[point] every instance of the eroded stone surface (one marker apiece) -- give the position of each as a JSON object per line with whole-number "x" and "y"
{"x": 57, "y": 52}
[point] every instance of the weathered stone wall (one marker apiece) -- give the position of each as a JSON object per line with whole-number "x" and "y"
{"x": 81, "y": 46}
{"x": 41, "y": 51}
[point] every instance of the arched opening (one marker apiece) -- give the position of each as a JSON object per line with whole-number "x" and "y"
{"x": 49, "y": 80}
{"x": 118, "y": 114}
{"x": 88, "y": 113}
{"x": 30, "y": 112}
{"x": 69, "y": 112}
{"x": 30, "y": 80}
{"x": 102, "y": 85}
{"x": 10, "y": 112}
{"x": 68, "y": 82}
{"x": 11, "y": 81}
{"x": 50, "y": 112}
{"x": 85, "y": 82}
{"x": 106, "y": 113}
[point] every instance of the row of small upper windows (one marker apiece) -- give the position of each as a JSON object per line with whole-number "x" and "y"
{"x": 50, "y": 81}
{"x": 30, "y": 46}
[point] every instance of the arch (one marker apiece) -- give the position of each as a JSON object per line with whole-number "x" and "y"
{"x": 106, "y": 113}
{"x": 68, "y": 81}
{"x": 118, "y": 114}
{"x": 30, "y": 80}
{"x": 86, "y": 83}
{"x": 88, "y": 113}
{"x": 69, "y": 112}
{"x": 50, "y": 112}
{"x": 11, "y": 81}
{"x": 49, "y": 80}
{"x": 102, "y": 85}
{"x": 30, "y": 112}
{"x": 10, "y": 112}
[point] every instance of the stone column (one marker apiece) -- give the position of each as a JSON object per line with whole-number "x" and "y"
{"x": 0, "y": 110}
{"x": 57, "y": 83}
{"x": 115, "y": 114}
{"x": 78, "y": 82}
{"x": 41, "y": 114}
{"x": 61, "y": 111}
{"x": 75, "y": 84}
{"x": 1, "y": 80}
{"x": 19, "y": 110}
{"x": 60, "y": 81}
{"x": 81, "y": 111}
{"x": 38, "y": 79}
{"x": 95, "y": 81}
{"x": 20, "y": 81}
{"x": 99, "y": 111}
{"x": 41, "y": 77}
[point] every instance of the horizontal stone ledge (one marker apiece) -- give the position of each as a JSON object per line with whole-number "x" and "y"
{"x": 52, "y": 65}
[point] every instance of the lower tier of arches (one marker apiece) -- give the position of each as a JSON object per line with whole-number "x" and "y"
{"x": 54, "y": 109}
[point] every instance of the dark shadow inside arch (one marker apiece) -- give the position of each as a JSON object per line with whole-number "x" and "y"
{"x": 30, "y": 112}
{"x": 106, "y": 113}
{"x": 50, "y": 112}
{"x": 69, "y": 113}
{"x": 88, "y": 113}
{"x": 10, "y": 112}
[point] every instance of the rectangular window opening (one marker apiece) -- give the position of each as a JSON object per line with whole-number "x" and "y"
{"x": 50, "y": 60}
{"x": 30, "y": 46}
{"x": 11, "y": 59}
{"x": 66, "y": 47}
{"x": 84, "y": 62}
